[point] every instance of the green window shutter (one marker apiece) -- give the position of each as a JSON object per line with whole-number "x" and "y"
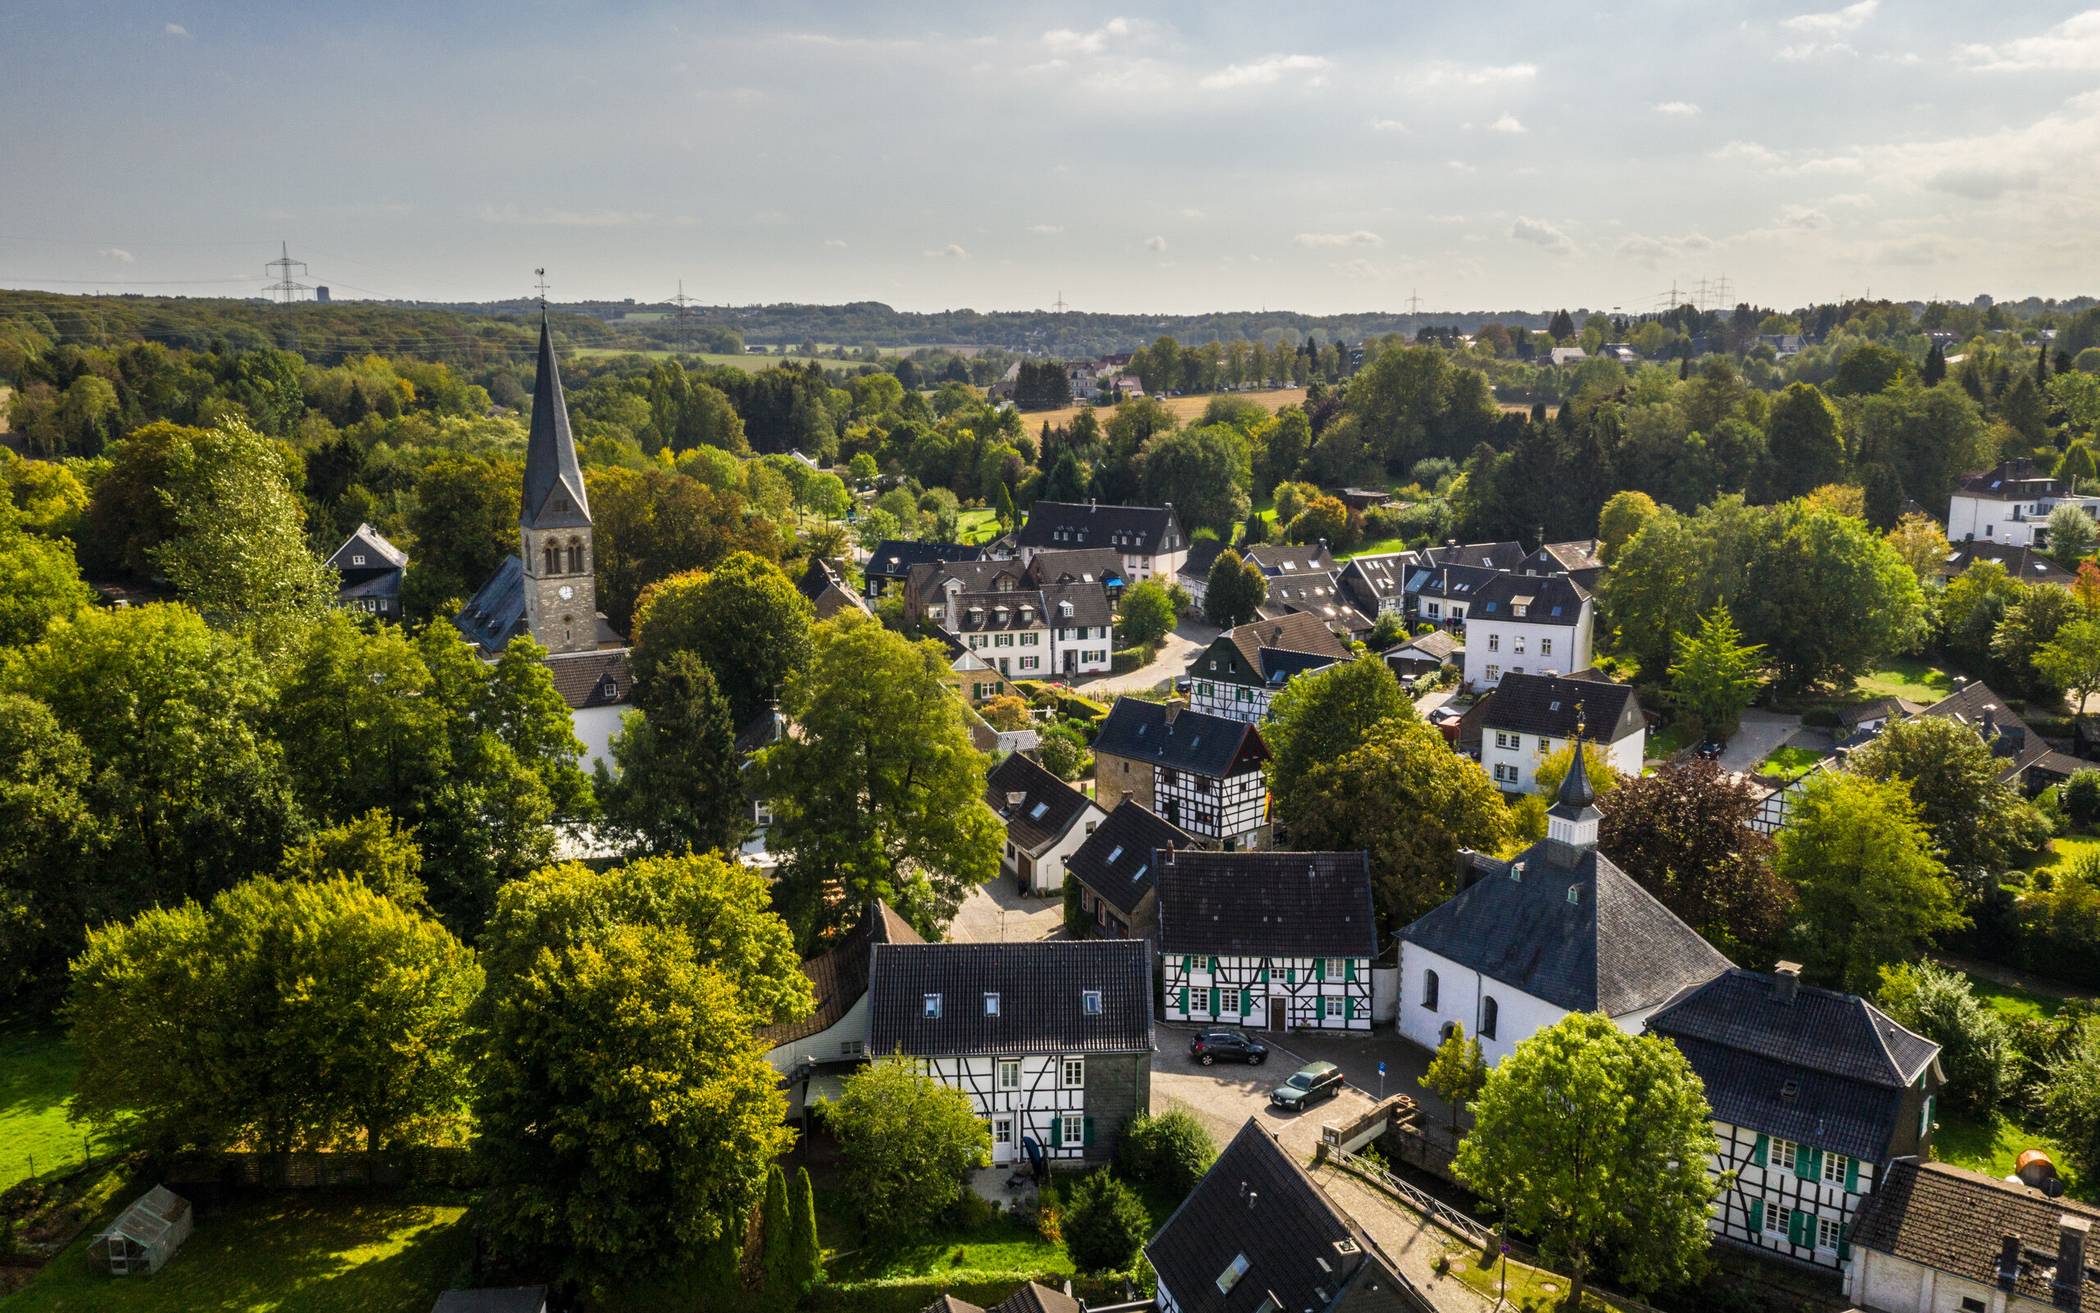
{"x": 1844, "y": 1244}
{"x": 1214, "y": 964}
{"x": 1246, "y": 1001}
{"x": 1265, "y": 975}
{"x": 1214, "y": 1001}
{"x": 1089, "y": 1130}
{"x": 1757, "y": 1209}
{"x": 1808, "y": 1163}
{"x": 1290, "y": 975}
{"x": 1349, "y": 968}
{"x": 1349, "y": 1008}
{"x": 1057, "y": 1131}
{"x": 1797, "y": 1226}
{"x": 1757, "y": 1153}
{"x": 1188, "y": 963}
{"x": 1319, "y": 968}
{"x": 1183, "y": 1004}
{"x": 1852, "y": 1175}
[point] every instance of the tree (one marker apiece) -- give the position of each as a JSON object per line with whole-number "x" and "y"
{"x": 680, "y": 784}
{"x": 1456, "y": 1073}
{"x": 1169, "y": 1151}
{"x": 1832, "y": 597}
{"x": 1323, "y": 714}
{"x": 50, "y": 840}
{"x": 1803, "y": 444}
{"x": 880, "y": 793}
{"x": 1604, "y": 777}
{"x": 39, "y": 583}
{"x": 1063, "y": 751}
{"x": 1235, "y": 591}
{"x": 1716, "y": 674}
{"x": 2037, "y": 614}
{"x": 1147, "y": 614}
{"x": 2070, "y": 1100}
{"x": 825, "y": 495}
{"x": 805, "y": 1261}
{"x": 372, "y": 850}
{"x": 1623, "y": 516}
{"x": 1204, "y": 473}
{"x": 1104, "y": 1223}
{"x": 776, "y": 1240}
{"x": 2071, "y": 660}
{"x": 1684, "y": 834}
{"x": 1976, "y": 1044}
{"x": 1868, "y": 369}
{"x": 2071, "y": 533}
{"x": 1597, "y": 1142}
{"x": 1324, "y": 520}
{"x": 2081, "y": 797}
{"x": 1872, "y": 890}
{"x": 1917, "y": 538}
{"x": 1976, "y": 820}
{"x": 745, "y": 620}
{"x": 238, "y": 547}
{"x": 463, "y": 519}
{"x": 907, "y": 1141}
{"x": 286, "y": 1014}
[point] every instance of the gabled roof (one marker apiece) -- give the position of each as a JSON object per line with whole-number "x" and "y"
{"x": 1086, "y": 565}
{"x": 1266, "y": 904}
{"x": 1048, "y": 806}
{"x": 550, "y": 454}
{"x": 1034, "y": 1297}
{"x": 1436, "y": 645}
{"x": 1318, "y": 594}
{"x": 1609, "y": 948}
{"x": 1955, "y": 1221}
{"x": 1552, "y": 704}
{"x": 1135, "y": 530}
{"x": 496, "y": 613}
{"x": 1042, "y": 993}
{"x": 2012, "y": 480}
{"x": 1458, "y": 583}
{"x": 369, "y": 543}
{"x": 592, "y": 679}
{"x": 1487, "y": 556}
{"x": 980, "y": 576}
{"x": 1288, "y": 559}
{"x": 1203, "y": 554}
{"x": 823, "y": 583}
{"x": 839, "y": 975}
{"x": 1574, "y": 557}
{"x": 999, "y": 612}
{"x": 1077, "y": 605}
{"x": 893, "y": 558}
{"x": 1116, "y": 859}
{"x": 2022, "y": 563}
{"x": 1190, "y": 740}
{"x": 2008, "y": 737}
{"x": 1374, "y": 578}
{"x": 1297, "y": 633}
{"x": 1258, "y": 1225}
{"x": 1532, "y": 599}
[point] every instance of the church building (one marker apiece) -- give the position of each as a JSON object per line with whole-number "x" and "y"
{"x": 549, "y": 590}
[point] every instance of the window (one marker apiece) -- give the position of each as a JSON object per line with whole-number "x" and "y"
{"x": 762, "y": 814}
{"x": 1490, "y": 1012}
{"x": 1971, "y": 1304}
{"x": 1331, "y": 1006}
{"x": 1834, "y": 1165}
{"x": 1779, "y": 1220}
{"x": 1429, "y": 990}
{"x": 1494, "y": 642}
{"x": 1234, "y": 1270}
{"x": 1520, "y": 645}
{"x": 575, "y": 556}
{"x": 1074, "y": 1128}
{"x": 552, "y": 555}
{"x": 1545, "y": 647}
{"x": 357, "y": 559}
{"x": 849, "y": 1048}
{"x": 1494, "y": 672}
{"x": 991, "y": 1005}
{"x": 1505, "y": 773}
{"x": 1074, "y": 1073}
{"x": 1504, "y": 740}
{"x": 1782, "y": 1153}
{"x": 1002, "y": 1130}
{"x": 1337, "y": 969}
{"x": 1090, "y": 999}
{"x": 932, "y": 1007}
{"x": 1829, "y": 1232}
{"x": 1009, "y": 1073}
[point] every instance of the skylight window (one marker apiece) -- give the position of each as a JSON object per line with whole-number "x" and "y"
{"x": 1090, "y": 1002}
{"x": 1230, "y": 1277}
{"x": 1035, "y": 813}
{"x": 932, "y": 1007}
{"x": 1114, "y": 853}
{"x": 991, "y": 1005}
{"x": 1139, "y": 873}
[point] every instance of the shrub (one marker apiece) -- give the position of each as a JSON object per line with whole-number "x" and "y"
{"x": 1104, "y": 1224}
{"x": 1075, "y": 917}
{"x": 1169, "y": 1152}
{"x": 2081, "y": 798}
{"x": 1976, "y": 1048}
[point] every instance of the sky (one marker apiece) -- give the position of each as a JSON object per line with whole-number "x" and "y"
{"x": 1318, "y": 156}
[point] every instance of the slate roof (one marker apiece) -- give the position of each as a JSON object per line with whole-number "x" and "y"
{"x": 1041, "y": 988}
{"x": 1088, "y": 603}
{"x": 1532, "y": 599}
{"x": 1133, "y": 530}
{"x": 493, "y": 1299}
{"x": 1034, "y": 1297}
{"x": 1889, "y": 708}
{"x": 1437, "y": 645}
{"x": 368, "y": 542}
{"x": 1372, "y": 579}
{"x": 1487, "y": 556}
{"x": 496, "y": 612}
{"x": 1264, "y": 648}
{"x": 1048, "y": 808}
{"x": 1086, "y": 565}
{"x": 550, "y": 453}
{"x": 2022, "y": 563}
{"x": 1551, "y": 705}
{"x": 1002, "y": 612}
{"x": 2012, "y": 480}
{"x": 929, "y": 577}
{"x": 824, "y": 585}
{"x": 1116, "y": 862}
{"x": 1458, "y": 583}
{"x": 1266, "y": 904}
{"x": 1286, "y": 559}
{"x": 592, "y": 679}
{"x": 1315, "y": 594}
{"x": 839, "y": 975}
{"x": 893, "y": 558}
{"x": 1203, "y": 554}
{"x": 2008, "y": 736}
{"x": 1953, "y": 1220}
{"x": 1206, "y": 745}
{"x": 1826, "y": 1068}
{"x": 1612, "y": 948}
{"x": 1300, "y": 1251}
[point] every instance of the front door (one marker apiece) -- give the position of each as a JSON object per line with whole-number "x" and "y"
{"x": 1276, "y": 1014}
{"x": 1002, "y": 1140}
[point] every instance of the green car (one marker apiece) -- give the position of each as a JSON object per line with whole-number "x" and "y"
{"x": 1307, "y": 1086}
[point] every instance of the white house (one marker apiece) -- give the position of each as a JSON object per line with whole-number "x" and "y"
{"x": 1527, "y": 624}
{"x": 1557, "y": 929}
{"x": 1274, "y": 940}
{"x": 1813, "y": 1093}
{"x": 816, "y": 1052}
{"x": 1239, "y": 675}
{"x": 1530, "y": 717}
{"x": 1938, "y": 1239}
{"x": 1148, "y": 538}
{"x": 1011, "y": 630}
{"x": 1082, "y": 633}
{"x": 2009, "y": 504}
{"x": 1046, "y": 821}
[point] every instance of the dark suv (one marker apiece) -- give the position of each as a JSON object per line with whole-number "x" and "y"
{"x": 1210, "y": 1046}
{"x": 1307, "y": 1086}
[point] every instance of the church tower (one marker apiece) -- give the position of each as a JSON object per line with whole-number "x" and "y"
{"x": 554, "y": 522}
{"x": 1571, "y": 822}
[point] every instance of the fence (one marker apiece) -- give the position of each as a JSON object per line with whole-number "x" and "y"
{"x": 325, "y": 1171}
{"x": 1436, "y": 1210}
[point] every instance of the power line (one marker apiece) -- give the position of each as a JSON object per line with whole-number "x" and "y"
{"x": 287, "y": 291}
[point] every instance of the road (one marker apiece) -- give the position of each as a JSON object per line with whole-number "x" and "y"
{"x": 1176, "y": 650}
{"x": 995, "y": 912}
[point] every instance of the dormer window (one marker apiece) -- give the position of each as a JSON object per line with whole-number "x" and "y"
{"x": 932, "y": 1007}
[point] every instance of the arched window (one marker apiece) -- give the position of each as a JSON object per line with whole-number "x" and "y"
{"x": 1489, "y": 1010}
{"x": 575, "y": 556}
{"x": 1429, "y": 990}
{"x": 552, "y": 553}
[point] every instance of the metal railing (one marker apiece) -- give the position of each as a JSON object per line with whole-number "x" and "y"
{"x": 1436, "y": 1210}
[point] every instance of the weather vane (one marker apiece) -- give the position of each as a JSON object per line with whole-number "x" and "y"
{"x": 543, "y": 288}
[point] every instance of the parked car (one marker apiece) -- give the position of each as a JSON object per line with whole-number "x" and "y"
{"x": 1710, "y": 749}
{"x": 1307, "y": 1086}
{"x": 1210, "y": 1046}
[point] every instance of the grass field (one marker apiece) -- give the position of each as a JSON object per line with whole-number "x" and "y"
{"x": 2066, "y": 849}
{"x": 1528, "y": 1287}
{"x": 1184, "y": 408}
{"x": 750, "y": 362}
{"x": 1790, "y": 763}
{"x": 1908, "y": 678}
{"x": 306, "y": 1253}
{"x": 977, "y": 526}
{"x": 36, "y": 1082}
{"x": 1993, "y": 1147}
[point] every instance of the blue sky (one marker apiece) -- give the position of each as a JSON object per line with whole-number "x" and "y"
{"x": 1321, "y": 156}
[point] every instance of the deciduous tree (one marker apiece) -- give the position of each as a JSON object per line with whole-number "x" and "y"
{"x": 1684, "y": 834}
{"x": 907, "y": 1141}
{"x": 1146, "y": 614}
{"x": 1976, "y": 820}
{"x": 1456, "y": 1072}
{"x": 679, "y": 785}
{"x": 1716, "y": 674}
{"x": 1235, "y": 590}
{"x": 2071, "y": 660}
{"x": 745, "y": 620}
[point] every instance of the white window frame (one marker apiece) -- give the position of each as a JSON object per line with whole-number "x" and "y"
{"x": 1002, "y": 1130}
{"x": 1494, "y": 642}
{"x": 1545, "y": 647}
{"x": 1072, "y": 1073}
{"x": 1778, "y": 1219}
{"x": 1090, "y": 999}
{"x": 1331, "y": 1007}
{"x": 1009, "y": 1073}
{"x": 1830, "y": 1233}
{"x": 1834, "y": 1165}
{"x": 1075, "y": 1129}
{"x": 1782, "y": 1153}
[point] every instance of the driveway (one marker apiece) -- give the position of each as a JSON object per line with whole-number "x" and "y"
{"x": 1176, "y": 650}
{"x": 997, "y": 913}
{"x": 1758, "y": 737}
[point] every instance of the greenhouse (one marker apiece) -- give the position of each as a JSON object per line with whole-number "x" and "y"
{"x": 145, "y": 1237}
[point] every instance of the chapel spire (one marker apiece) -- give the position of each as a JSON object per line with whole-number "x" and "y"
{"x": 1571, "y": 822}
{"x": 554, "y": 493}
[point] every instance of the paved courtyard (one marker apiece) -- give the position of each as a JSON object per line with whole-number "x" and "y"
{"x": 1176, "y": 650}
{"x": 995, "y": 913}
{"x": 1759, "y": 736}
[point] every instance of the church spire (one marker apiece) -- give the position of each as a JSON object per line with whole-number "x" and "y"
{"x": 1571, "y": 822}
{"x": 554, "y": 494}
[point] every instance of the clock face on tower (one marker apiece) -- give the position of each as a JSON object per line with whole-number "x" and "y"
{"x": 565, "y": 592}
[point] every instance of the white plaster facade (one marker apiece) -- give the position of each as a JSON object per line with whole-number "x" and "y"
{"x": 1791, "y": 1199}
{"x": 1045, "y": 871}
{"x": 1511, "y": 758}
{"x": 595, "y": 727}
{"x": 1510, "y": 645}
{"x": 2022, "y": 522}
{"x": 1435, "y": 992}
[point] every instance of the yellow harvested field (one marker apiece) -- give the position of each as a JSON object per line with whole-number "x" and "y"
{"x": 1184, "y": 408}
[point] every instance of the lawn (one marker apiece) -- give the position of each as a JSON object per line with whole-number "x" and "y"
{"x": 302, "y": 1253}
{"x": 976, "y": 526}
{"x": 1375, "y": 547}
{"x": 36, "y": 1082}
{"x": 2010, "y": 1001}
{"x": 1529, "y": 1287}
{"x": 1668, "y": 741}
{"x": 2066, "y": 849}
{"x": 1993, "y": 1148}
{"x": 1790, "y": 763}
{"x": 1909, "y": 678}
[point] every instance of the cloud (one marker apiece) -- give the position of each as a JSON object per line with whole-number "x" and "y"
{"x": 1444, "y": 73}
{"x": 1459, "y": 166}
{"x": 952, "y": 251}
{"x": 1677, "y": 109}
{"x": 1507, "y": 123}
{"x": 1983, "y": 183}
{"x": 1849, "y": 198}
{"x": 1388, "y": 125}
{"x": 1543, "y": 235}
{"x": 1849, "y": 19}
{"x": 119, "y": 254}
{"x": 1656, "y": 249}
{"x": 1805, "y": 217}
{"x": 1749, "y": 152}
{"x": 1330, "y": 240}
{"x": 1045, "y": 229}
{"x": 1816, "y": 49}
{"x": 1267, "y": 71}
{"x": 1191, "y": 213}
{"x": 517, "y": 216}
{"x": 1361, "y": 268}
{"x": 1156, "y": 245}
{"x": 1065, "y": 41}
{"x": 2071, "y": 46}
{"x": 835, "y": 243}
{"x": 176, "y": 29}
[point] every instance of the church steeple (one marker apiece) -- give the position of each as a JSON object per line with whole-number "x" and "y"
{"x": 1571, "y": 822}
{"x": 554, "y": 522}
{"x": 554, "y": 493}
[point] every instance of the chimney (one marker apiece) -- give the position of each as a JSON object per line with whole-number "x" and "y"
{"x": 1174, "y": 705}
{"x": 1127, "y": 795}
{"x": 2008, "y": 1261}
{"x": 1015, "y": 797}
{"x": 2068, "y": 1290}
{"x": 1786, "y": 982}
{"x": 1465, "y": 869}
{"x": 1170, "y": 852}
{"x": 1090, "y": 506}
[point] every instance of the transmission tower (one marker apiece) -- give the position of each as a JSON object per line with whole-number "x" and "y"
{"x": 284, "y": 288}
{"x": 1723, "y": 291}
{"x": 685, "y": 326}
{"x": 1060, "y": 305}
{"x": 1414, "y": 302}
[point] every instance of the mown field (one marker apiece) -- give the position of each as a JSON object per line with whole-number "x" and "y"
{"x": 36, "y": 1082}
{"x": 1184, "y": 408}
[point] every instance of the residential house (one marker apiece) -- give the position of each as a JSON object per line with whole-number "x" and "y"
{"x": 1051, "y": 1040}
{"x": 1622, "y": 352}
{"x": 974, "y": 678}
{"x": 1425, "y": 654}
{"x": 1118, "y": 884}
{"x": 1033, "y": 1297}
{"x": 1194, "y": 575}
{"x": 1442, "y": 595}
{"x": 1239, "y": 675}
{"x": 892, "y": 559}
{"x": 824, "y": 584}
{"x": 1578, "y": 560}
{"x": 1046, "y": 821}
{"x": 1259, "y": 1235}
{"x": 1485, "y": 556}
{"x": 930, "y": 586}
{"x": 1082, "y": 627}
{"x": 1290, "y": 560}
{"x": 1364, "y": 499}
{"x": 1148, "y": 538}
{"x": 1936, "y": 1238}
{"x": 763, "y": 730}
{"x": 1202, "y": 772}
{"x": 597, "y": 686}
{"x": 1377, "y": 584}
{"x": 1100, "y": 567}
{"x": 1783, "y": 344}
{"x": 814, "y": 1054}
{"x": 2010, "y": 504}
{"x": 2023, "y": 562}
{"x": 1315, "y": 594}
{"x": 1527, "y": 624}
{"x": 1011, "y": 630}
{"x": 371, "y": 569}
{"x": 1813, "y": 1093}
{"x": 1557, "y": 929}
{"x": 1278, "y": 940}
{"x": 2027, "y": 762}
{"x": 1568, "y": 355}
{"x": 1530, "y": 717}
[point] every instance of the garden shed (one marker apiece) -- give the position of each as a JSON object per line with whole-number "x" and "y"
{"x": 145, "y": 1236}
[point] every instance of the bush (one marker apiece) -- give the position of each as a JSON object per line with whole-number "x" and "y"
{"x": 1075, "y": 918}
{"x": 1169, "y": 1153}
{"x": 1062, "y": 750}
{"x": 2081, "y": 798}
{"x": 1976, "y": 1045}
{"x": 1103, "y": 1224}
{"x": 1073, "y": 706}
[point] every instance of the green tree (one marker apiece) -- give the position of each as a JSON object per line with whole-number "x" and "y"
{"x": 680, "y": 784}
{"x": 1832, "y": 597}
{"x": 462, "y": 520}
{"x": 1284, "y": 448}
{"x": 1872, "y": 890}
{"x": 1716, "y": 674}
{"x": 238, "y": 547}
{"x": 2071, "y": 533}
{"x": 1976, "y": 1044}
{"x": 371, "y": 850}
{"x": 1918, "y": 539}
{"x": 1147, "y": 614}
{"x": 1235, "y": 591}
{"x": 907, "y": 1141}
{"x": 2037, "y": 615}
{"x": 1554, "y": 766}
{"x": 1321, "y": 715}
{"x": 1456, "y": 1073}
{"x": 1684, "y": 833}
{"x": 2071, "y": 660}
{"x": 805, "y": 1262}
{"x": 1623, "y": 516}
{"x": 51, "y": 838}
{"x": 1804, "y": 447}
{"x": 1168, "y": 1152}
{"x": 1596, "y": 1142}
{"x": 746, "y": 622}
{"x": 1868, "y": 369}
{"x": 879, "y": 793}
{"x": 1063, "y": 751}
{"x": 1104, "y": 1223}
{"x": 825, "y": 495}
{"x": 776, "y": 1241}
{"x": 1324, "y": 520}
{"x": 1204, "y": 473}
{"x": 2070, "y": 1100}
{"x": 39, "y": 583}
{"x": 1975, "y": 819}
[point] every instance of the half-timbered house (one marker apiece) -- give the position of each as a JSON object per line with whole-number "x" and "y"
{"x": 814, "y": 1054}
{"x": 1277, "y": 940}
{"x": 1118, "y": 891}
{"x": 1239, "y": 675}
{"x": 1203, "y": 773}
{"x": 1052, "y": 1040}
{"x": 1813, "y": 1093}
